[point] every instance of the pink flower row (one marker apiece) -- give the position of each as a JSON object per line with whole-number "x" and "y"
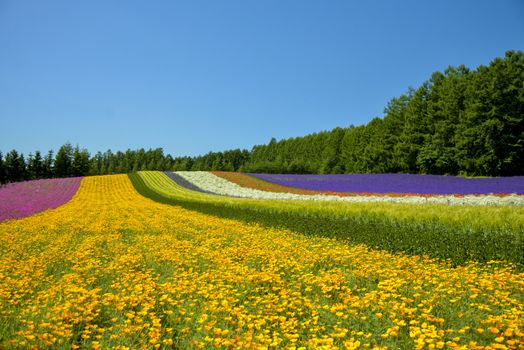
{"x": 22, "y": 199}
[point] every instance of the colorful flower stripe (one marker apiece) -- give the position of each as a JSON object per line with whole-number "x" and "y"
{"x": 249, "y": 181}
{"x": 181, "y": 181}
{"x": 21, "y": 199}
{"x": 114, "y": 270}
{"x": 454, "y": 233}
{"x": 399, "y": 183}
{"x": 211, "y": 183}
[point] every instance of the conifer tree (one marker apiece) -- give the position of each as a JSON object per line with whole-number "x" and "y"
{"x": 95, "y": 164}
{"x": 23, "y": 168}
{"x": 63, "y": 161}
{"x": 48, "y": 165}
{"x": 35, "y": 166}
{"x": 80, "y": 162}
{"x": 14, "y": 166}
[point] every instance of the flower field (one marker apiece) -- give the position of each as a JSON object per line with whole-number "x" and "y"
{"x": 26, "y": 198}
{"x": 399, "y": 183}
{"x": 208, "y": 182}
{"x": 459, "y": 233}
{"x": 113, "y": 269}
{"x": 250, "y": 181}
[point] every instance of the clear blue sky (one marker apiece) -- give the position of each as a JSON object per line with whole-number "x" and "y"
{"x": 196, "y": 76}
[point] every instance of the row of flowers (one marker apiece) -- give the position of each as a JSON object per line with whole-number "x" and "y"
{"x": 399, "y": 183}
{"x": 22, "y": 199}
{"x": 209, "y": 182}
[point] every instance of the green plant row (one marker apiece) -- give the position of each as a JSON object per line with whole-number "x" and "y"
{"x": 458, "y": 233}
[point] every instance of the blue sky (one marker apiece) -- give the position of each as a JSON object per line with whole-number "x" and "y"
{"x": 198, "y": 76}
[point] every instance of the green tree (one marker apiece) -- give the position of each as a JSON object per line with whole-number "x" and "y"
{"x": 394, "y": 123}
{"x": 109, "y": 165}
{"x": 330, "y": 155}
{"x": 15, "y": 167}
{"x": 491, "y": 131}
{"x": 63, "y": 161}
{"x": 35, "y": 166}
{"x": 80, "y": 165}
{"x": 95, "y": 164}
{"x": 48, "y": 165}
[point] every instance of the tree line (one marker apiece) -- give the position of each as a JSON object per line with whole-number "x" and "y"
{"x": 75, "y": 161}
{"x": 459, "y": 122}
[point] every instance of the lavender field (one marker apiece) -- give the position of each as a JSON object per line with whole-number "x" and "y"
{"x": 22, "y": 199}
{"x": 399, "y": 183}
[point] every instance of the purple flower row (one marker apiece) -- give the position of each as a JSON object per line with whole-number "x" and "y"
{"x": 22, "y": 199}
{"x": 399, "y": 183}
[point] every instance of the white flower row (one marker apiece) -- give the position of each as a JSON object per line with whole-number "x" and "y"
{"x": 215, "y": 184}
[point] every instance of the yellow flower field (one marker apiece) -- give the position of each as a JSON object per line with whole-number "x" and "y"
{"x": 112, "y": 269}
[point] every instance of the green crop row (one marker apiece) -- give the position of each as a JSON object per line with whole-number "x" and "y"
{"x": 458, "y": 233}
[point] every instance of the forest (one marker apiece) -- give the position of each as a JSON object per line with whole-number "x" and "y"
{"x": 459, "y": 122}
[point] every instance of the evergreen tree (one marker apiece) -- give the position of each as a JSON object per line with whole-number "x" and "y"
{"x": 109, "y": 163}
{"x": 35, "y": 166}
{"x": 394, "y": 122}
{"x": 350, "y": 153}
{"x": 48, "y": 165}
{"x": 63, "y": 161}
{"x": 80, "y": 164}
{"x": 490, "y": 138}
{"x": 23, "y": 168}
{"x": 330, "y": 163}
{"x": 95, "y": 165}
{"x": 15, "y": 168}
